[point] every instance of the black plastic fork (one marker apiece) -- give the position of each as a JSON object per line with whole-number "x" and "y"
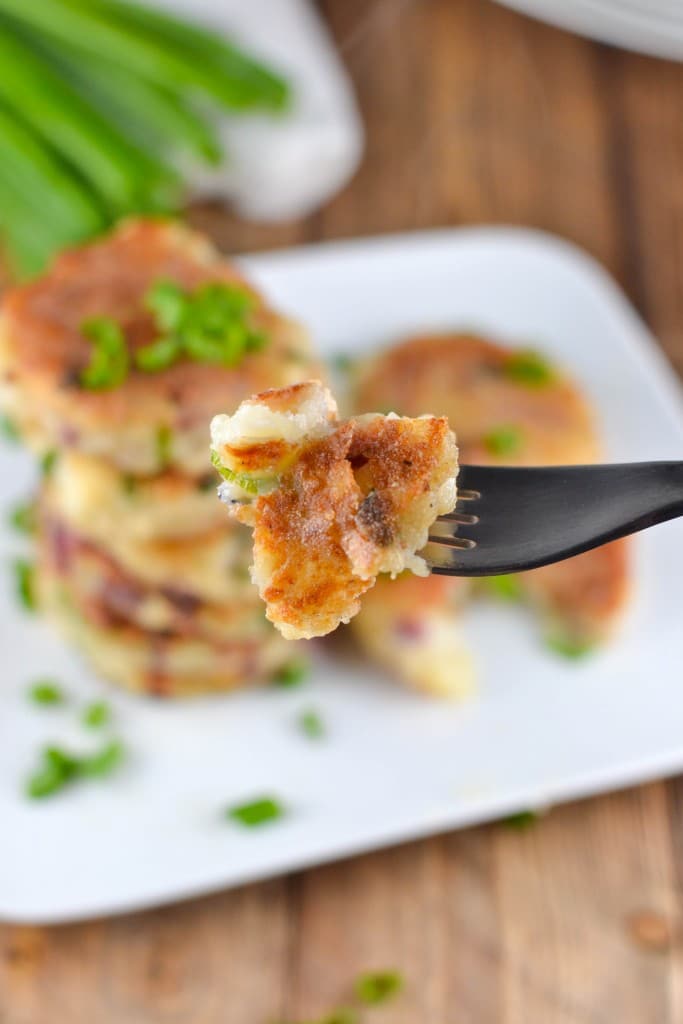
{"x": 511, "y": 519}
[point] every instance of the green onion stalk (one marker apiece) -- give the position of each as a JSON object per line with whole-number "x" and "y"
{"x": 98, "y": 99}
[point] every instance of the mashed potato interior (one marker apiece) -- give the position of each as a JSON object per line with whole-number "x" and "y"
{"x": 333, "y": 503}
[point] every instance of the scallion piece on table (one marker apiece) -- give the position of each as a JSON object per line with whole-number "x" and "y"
{"x": 375, "y": 987}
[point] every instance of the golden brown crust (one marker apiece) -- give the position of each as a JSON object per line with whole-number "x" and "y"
{"x": 299, "y": 540}
{"x": 583, "y": 596}
{"x": 44, "y": 349}
{"x": 464, "y": 377}
{"x": 324, "y": 532}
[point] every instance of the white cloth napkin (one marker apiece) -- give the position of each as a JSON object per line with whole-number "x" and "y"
{"x": 282, "y": 168}
{"x": 646, "y": 26}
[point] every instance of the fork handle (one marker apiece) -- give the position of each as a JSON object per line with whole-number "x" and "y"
{"x": 623, "y": 499}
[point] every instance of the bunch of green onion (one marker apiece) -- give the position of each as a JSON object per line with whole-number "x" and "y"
{"x": 98, "y": 101}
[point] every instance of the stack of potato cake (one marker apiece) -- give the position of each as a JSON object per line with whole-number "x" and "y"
{"x": 112, "y": 366}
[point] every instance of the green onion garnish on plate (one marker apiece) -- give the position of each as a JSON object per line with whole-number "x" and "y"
{"x": 311, "y": 724}
{"x": 8, "y": 429}
{"x": 24, "y": 575}
{"x": 97, "y": 715}
{"x": 46, "y": 692}
{"x": 23, "y": 517}
{"x": 58, "y": 768}
{"x": 48, "y": 462}
{"x": 256, "y": 812}
{"x": 291, "y": 674}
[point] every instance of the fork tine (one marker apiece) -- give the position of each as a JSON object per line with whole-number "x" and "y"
{"x": 463, "y": 518}
{"x": 463, "y": 543}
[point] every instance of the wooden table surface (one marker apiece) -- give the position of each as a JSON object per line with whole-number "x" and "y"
{"x": 474, "y": 114}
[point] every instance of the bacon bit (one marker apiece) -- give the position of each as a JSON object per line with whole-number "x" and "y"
{"x": 410, "y": 629}
{"x": 62, "y": 544}
{"x": 182, "y": 601}
{"x": 157, "y": 676}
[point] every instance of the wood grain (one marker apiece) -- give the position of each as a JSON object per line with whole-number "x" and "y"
{"x": 474, "y": 114}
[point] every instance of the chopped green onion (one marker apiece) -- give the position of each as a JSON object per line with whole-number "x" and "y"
{"x": 23, "y": 517}
{"x": 129, "y": 484}
{"x": 377, "y": 987}
{"x": 214, "y": 325}
{"x": 104, "y": 761}
{"x": 159, "y": 355}
{"x": 24, "y": 574}
{"x": 522, "y": 820}
{"x": 164, "y": 439}
{"x": 167, "y": 301}
{"x": 209, "y": 325}
{"x": 292, "y": 673}
{"x": 342, "y": 1015}
{"x": 243, "y": 480}
{"x": 108, "y": 366}
{"x": 342, "y": 362}
{"x": 8, "y": 429}
{"x": 312, "y": 725}
{"x": 506, "y": 587}
{"x": 256, "y": 812}
{"x": 58, "y": 768}
{"x": 206, "y": 483}
{"x": 97, "y": 715}
{"x": 572, "y": 647}
{"x": 504, "y": 440}
{"x": 48, "y": 462}
{"x": 45, "y": 691}
{"x": 530, "y": 368}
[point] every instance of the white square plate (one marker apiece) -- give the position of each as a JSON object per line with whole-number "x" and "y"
{"x": 394, "y": 765}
